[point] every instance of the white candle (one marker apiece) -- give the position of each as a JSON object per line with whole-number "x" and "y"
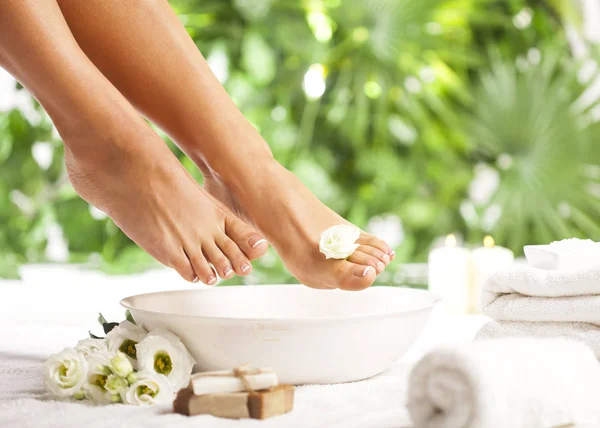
{"x": 449, "y": 276}
{"x": 485, "y": 261}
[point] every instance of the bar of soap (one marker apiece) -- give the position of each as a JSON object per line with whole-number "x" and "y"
{"x": 274, "y": 401}
{"x": 226, "y": 381}
{"x": 229, "y": 405}
{"x": 237, "y": 405}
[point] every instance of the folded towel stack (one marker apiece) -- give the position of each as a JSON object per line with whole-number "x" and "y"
{"x": 562, "y": 302}
{"x": 506, "y": 383}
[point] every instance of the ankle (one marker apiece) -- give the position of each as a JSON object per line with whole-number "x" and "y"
{"x": 109, "y": 145}
{"x": 236, "y": 163}
{"x": 252, "y": 175}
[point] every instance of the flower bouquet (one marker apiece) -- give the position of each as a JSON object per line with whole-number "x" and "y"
{"x": 130, "y": 365}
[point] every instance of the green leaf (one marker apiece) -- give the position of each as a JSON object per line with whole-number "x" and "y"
{"x": 129, "y": 317}
{"x": 93, "y": 336}
{"x": 101, "y": 319}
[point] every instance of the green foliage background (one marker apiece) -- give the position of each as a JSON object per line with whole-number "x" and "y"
{"x": 420, "y": 94}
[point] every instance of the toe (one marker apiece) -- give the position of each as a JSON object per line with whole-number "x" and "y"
{"x": 221, "y": 263}
{"x": 375, "y": 252}
{"x": 373, "y": 241}
{"x": 238, "y": 260}
{"x": 204, "y": 272}
{"x": 365, "y": 259}
{"x": 352, "y": 276}
{"x": 182, "y": 264}
{"x": 252, "y": 243}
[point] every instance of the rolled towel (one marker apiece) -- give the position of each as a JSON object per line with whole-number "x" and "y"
{"x": 579, "y": 331}
{"x": 506, "y": 383}
{"x": 522, "y": 294}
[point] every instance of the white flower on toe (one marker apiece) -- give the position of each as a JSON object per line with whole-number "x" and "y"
{"x": 65, "y": 373}
{"x": 339, "y": 242}
{"x": 124, "y": 338}
{"x": 149, "y": 388}
{"x": 163, "y": 352}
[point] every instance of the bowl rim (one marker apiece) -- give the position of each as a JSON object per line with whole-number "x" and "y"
{"x": 428, "y": 306}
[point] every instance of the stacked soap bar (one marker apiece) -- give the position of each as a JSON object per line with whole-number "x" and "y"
{"x": 569, "y": 254}
{"x": 236, "y": 394}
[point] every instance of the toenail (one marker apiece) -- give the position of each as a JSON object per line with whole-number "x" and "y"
{"x": 392, "y": 254}
{"x": 366, "y": 271}
{"x": 228, "y": 271}
{"x": 245, "y": 267}
{"x": 211, "y": 280}
{"x": 257, "y": 243}
{"x": 195, "y": 280}
{"x": 385, "y": 258}
{"x": 379, "y": 263}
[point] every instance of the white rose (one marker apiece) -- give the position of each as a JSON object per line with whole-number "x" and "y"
{"x": 116, "y": 385}
{"x": 149, "y": 388}
{"x": 96, "y": 394}
{"x": 339, "y": 242}
{"x": 124, "y": 337}
{"x": 65, "y": 373}
{"x": 120, "y": 365}
{"x": 86, "y": 347}
{"x": 97, "y": 376}
{"x": 164, "y": 353}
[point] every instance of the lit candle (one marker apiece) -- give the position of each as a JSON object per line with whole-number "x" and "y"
{"x": 485, "y": 261}
{"x": 449, "y": 275}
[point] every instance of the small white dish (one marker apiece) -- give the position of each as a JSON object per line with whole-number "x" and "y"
{"x": 569, "y": 254}
{"x": 306, "y": 336}
{"x": 541, "y": 257}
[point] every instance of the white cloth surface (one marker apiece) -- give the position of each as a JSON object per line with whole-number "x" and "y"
{"x": 524, "y": 293}
{"x": 502, "y": 383}
{"x": 37, "y": 320}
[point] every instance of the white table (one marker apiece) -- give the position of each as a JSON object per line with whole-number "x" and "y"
{"x": 39, "y": 318}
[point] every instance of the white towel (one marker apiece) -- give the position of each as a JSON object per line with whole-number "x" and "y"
{"x": 525, "y": 293}
{"x": 579, "y": 331}
{"x": 506, "y": 383}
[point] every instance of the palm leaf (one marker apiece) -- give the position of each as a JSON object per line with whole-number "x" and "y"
{"x": 529, "y": 117}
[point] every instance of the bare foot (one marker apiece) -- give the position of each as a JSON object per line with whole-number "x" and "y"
{"x": 188, "y": 102}
{"x": 114, "y": 160}
{"x": 292, "y": 219}
{"x": 133, "y": 177}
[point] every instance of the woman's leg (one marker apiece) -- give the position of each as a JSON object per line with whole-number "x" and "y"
{"x": 114, "y": 160}
{"x": 145, "y": 51}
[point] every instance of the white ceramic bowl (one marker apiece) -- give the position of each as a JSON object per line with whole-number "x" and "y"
{"x": 306, "y": 335}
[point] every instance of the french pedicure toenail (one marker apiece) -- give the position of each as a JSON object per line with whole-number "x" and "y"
{"x": 245, "y": 267}
{"x": 366, "y": 271}
{"x": 379, "y": 263}
{"x": 195, "y": 280}
{"x": 259, "y": 242}
{"x": 385, "y": 258}
{"x": 228, "y": 271}
{"x": 392, "y": 254}
{"x": 211, "y": 280}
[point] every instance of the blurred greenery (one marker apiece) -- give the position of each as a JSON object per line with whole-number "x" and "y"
{"x": 417, "y": 118}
